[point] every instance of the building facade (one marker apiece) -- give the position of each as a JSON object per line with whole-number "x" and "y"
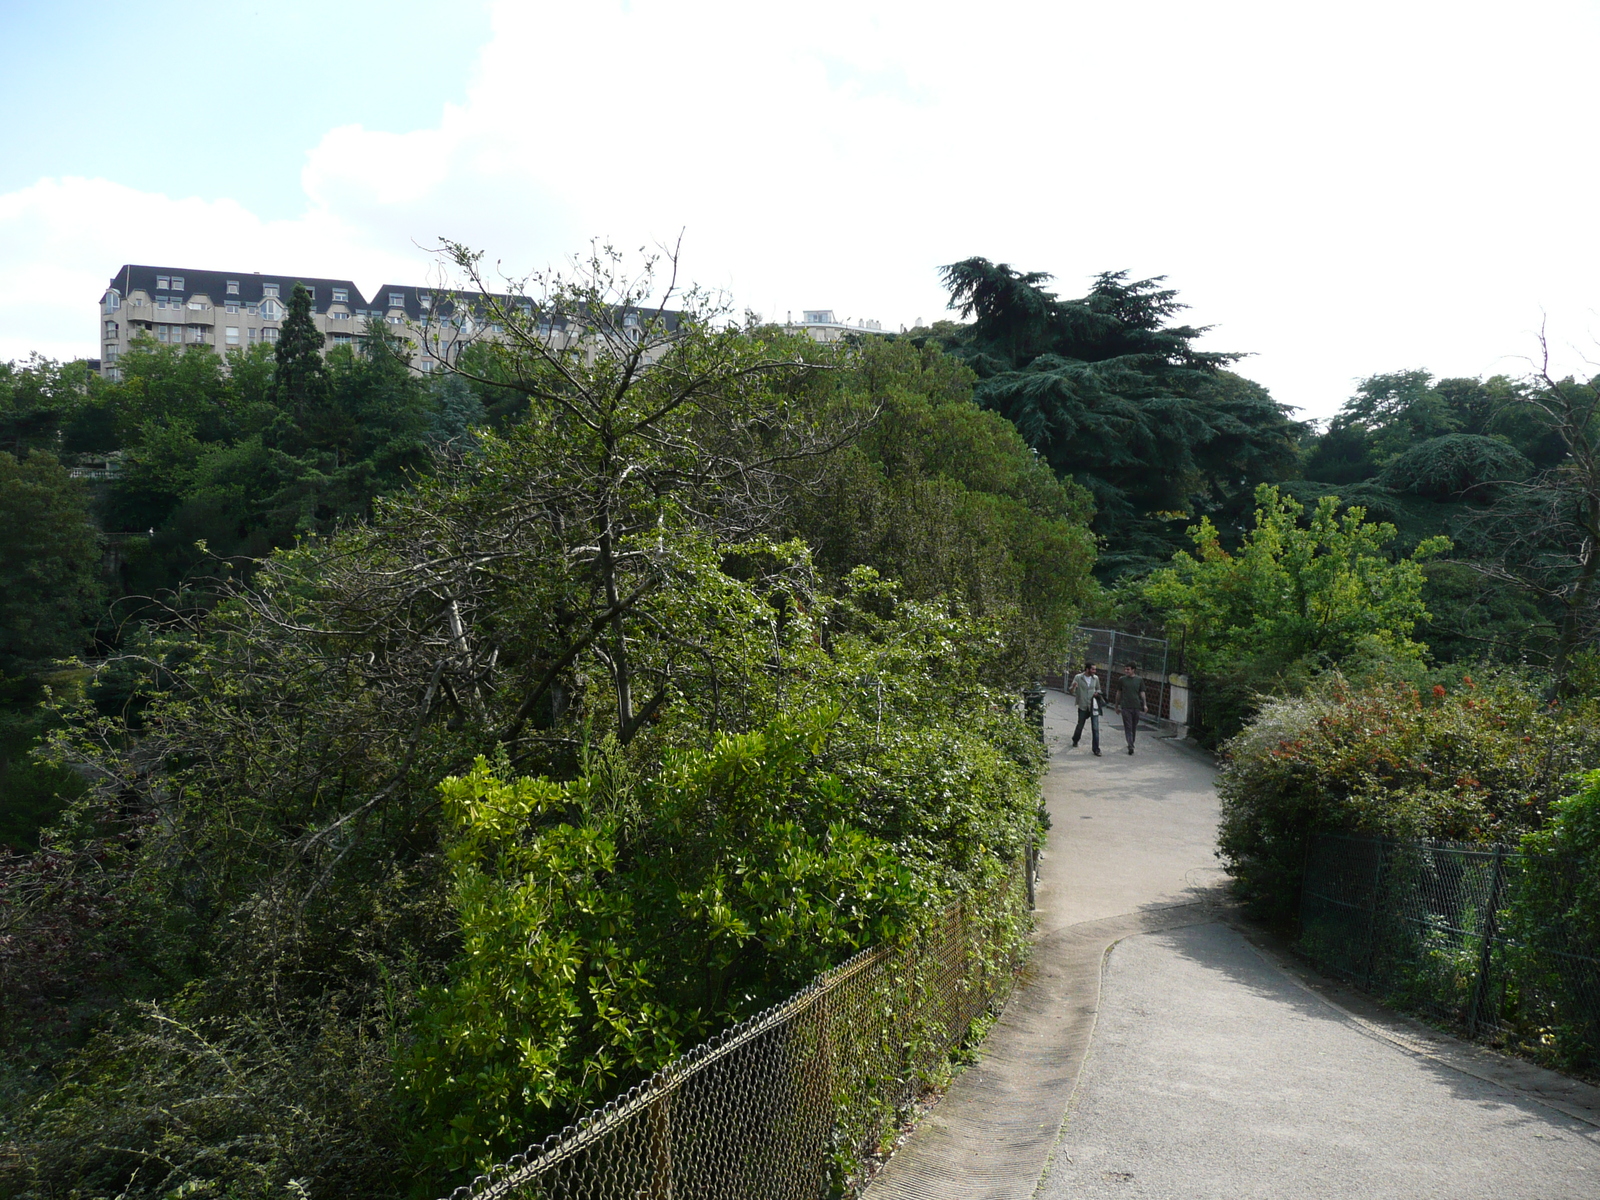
{"x": 225, "y": 310}
{"x": 820, "y": 325}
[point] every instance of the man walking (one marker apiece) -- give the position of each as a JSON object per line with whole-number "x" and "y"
{"x": 1130, "y": 700}
{"x": 1085, "y": 689}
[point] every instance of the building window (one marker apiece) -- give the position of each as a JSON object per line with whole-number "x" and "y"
{"x": 233, "y": 308}
{"x": 113, "y": 301}
{"x": 424, "y": 299}
{"x": 111, "y": 329}
{"x": 397, "y": 300}
{"x": 231, "y": 334}
{"x": 339, "y": 316}
{"x": 161, "y": 333}
{"x": 110, "y": 355}
{"x": 271, "y": 310}
{"x": 269, "y": 335}
{"x": 161, "y": 283}
{"x": 394, "y": 320}
{"x": 233, "y": 287}
{"x": 310, "y": 291}
{"x": 252, "y": 309}
{"x": 341, "y": 295}
{"x": 269, "y": 289}
{"x": 196, "y": 305}
{"x": 177, "y": 283}
{"x": 340, "y": 339}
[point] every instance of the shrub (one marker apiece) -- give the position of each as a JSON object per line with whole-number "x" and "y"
{"x": 1555, "y": 917}
{"x": 1479, "y": 761}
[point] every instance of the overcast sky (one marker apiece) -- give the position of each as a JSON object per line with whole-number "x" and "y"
{"x": 1338, "y": 189}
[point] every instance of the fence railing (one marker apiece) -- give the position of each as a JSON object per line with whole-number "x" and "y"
{"x": 1480, "y": 937}
{"x": 786, "y": 1105}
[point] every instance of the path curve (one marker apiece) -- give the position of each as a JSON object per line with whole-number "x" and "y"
{"x": 1150, "y": 1050}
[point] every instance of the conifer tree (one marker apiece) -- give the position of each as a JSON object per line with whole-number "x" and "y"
{"x": 301, "y": 381}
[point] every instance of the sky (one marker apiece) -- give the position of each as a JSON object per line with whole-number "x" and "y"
{"x": 1338, "y": 190}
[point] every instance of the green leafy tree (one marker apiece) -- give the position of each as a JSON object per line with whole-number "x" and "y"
{"x": 1294, "y": 599}
{"x": 39, "y": 400}
{"x": 49, "y": 562}
{"x": 948, "y": 499}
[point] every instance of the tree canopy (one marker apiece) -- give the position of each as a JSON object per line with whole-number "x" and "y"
{"x": 1111, "y": 392}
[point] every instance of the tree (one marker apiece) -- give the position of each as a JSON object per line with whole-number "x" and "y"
{"x": 947, "y": 498}
{"x": 300, "y": 383}
{"x": 646, "y": 417}
{"x": 1543, "y": 535}
{"x": 49, "y": 562}
{"x": 39, "y": 401}
{"x": 1294, "y": 599}
{"x": 1109, "y": 391}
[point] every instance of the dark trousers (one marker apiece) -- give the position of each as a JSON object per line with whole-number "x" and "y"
{"x": 1130, "y": 724}
{"x": 1089, "y": 715}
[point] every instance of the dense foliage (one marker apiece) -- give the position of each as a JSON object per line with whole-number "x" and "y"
{"x": 1115, "y": 395}
{"x": 1555, "y": 915}
{"x": 1480, "y": 758}
{"x": 575, "y": 701}
{"x": 1292, "y": 600}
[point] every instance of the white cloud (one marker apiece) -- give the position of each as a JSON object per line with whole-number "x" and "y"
{"x": 1342, "y": 190}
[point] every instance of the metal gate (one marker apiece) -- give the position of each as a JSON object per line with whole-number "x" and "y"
{"x": 1112, "y": 649}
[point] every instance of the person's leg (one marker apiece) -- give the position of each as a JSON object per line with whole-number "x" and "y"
{"x": 1130, "y": 725}
{"x": 1083, "y": 715}
{"x": 1094, "y": 727}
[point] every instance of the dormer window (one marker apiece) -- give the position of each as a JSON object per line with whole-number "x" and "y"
{"x": 233, "y": 287}
{"x": 113, "y": 301}
{"x": 177, "y": 283}
{"x": 341, "y": 295}
{"x": 269, "y": 289}
{"x": 161, "y": 282}
{"x": 424, "y": 299}
{"x": 397, "y": 300}
{"x": 310, "y": 291}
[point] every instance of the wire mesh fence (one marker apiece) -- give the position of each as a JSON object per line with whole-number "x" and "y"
{"x": 1480, "y": 937}
{"x": 1111, "y": 650}
{"x": 787, "y": 1105}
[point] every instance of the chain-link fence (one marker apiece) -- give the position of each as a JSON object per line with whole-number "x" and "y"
{"x": 787, "y": 1105}
{"x": 1480, "y": 937}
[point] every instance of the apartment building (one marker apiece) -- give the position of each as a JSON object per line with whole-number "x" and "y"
{"x": 227, "y": 309}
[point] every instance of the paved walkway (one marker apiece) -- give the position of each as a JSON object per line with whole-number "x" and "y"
{"x": 1186, "y": 1063}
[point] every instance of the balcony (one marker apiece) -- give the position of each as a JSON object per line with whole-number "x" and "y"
{"x": 200, "y": 316}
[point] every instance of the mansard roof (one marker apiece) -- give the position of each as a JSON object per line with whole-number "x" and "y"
{"x": 133, "y": 277}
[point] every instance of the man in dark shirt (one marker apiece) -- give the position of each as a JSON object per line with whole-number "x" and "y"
{"x": 1130, "y": 700}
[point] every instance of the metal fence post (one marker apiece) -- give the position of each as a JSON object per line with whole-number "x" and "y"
{"x": 660, "y": 1126}
{"x": 1488, "y": 930}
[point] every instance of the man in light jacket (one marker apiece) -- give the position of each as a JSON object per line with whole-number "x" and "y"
{"x": 1085, "y": 689}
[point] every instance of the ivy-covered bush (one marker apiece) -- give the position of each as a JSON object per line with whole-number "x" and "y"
{"x": 1474, "y": 760}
